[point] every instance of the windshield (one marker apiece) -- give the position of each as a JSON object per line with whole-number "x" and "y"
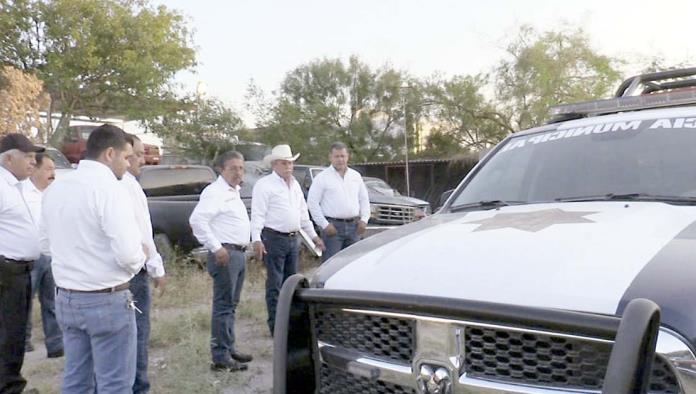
{"x": 649, "y": 156}
{"x": 378, "y": 186}
{"x": 175, "y": 181}
{"x": 58, "y": 158}
{"x": 253, "y": 152}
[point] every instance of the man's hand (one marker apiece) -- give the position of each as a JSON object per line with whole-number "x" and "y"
{"x": 222, "y": 257}
{"x": 330, "y": 230}
{"x": 259, "y": 250}
{"x": 319, "y": 244}
{"x": 362, "y": 227}
{"x": 160, "y": 284}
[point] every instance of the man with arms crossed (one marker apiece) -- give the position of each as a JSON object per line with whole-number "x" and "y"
{"x": 278, "y": 212}
{"x": 154, "y": 268}
{"x": 339, "y": 203}
{"x": 19, "y": 247}
{"x": 97, "y": 249}
{"x": 41, "y": 276}
{"x": 220, "y": 222}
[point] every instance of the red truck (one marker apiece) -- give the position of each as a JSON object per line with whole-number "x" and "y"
{"x": 75, "y": 143}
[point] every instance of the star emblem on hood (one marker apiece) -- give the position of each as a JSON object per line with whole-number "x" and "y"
{"x": 532, "y": 221}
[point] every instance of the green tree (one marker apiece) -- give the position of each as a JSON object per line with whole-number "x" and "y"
{"x": 461, "y": 118}
{"x": 547, "y": 69}
{"x": 327, "y": 100}
{"x": 201, "y": 128}
{"x": 97, "y": 57}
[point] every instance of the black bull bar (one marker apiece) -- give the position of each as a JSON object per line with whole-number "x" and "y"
{"x": 628, "y": 372}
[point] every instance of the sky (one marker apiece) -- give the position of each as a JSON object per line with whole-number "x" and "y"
{"x": 240, "y": 40}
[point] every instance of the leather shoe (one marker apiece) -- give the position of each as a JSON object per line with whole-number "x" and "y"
{"x": 241, "y": 357}
{"x": 230, "y": 366}
{"x": 56, "y": 354}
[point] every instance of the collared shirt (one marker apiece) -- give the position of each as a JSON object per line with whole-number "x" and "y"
{"x": 19, "y": 238}
{"x": 88, "y": 217}
{"x": 154, "y": 264}
{"x": 336, "y": 196}
{"x": 33, "y": 196}
{"x": 278, "y": 206}
{"x": 220, "y": 216}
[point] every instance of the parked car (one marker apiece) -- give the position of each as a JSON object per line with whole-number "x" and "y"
{"x": 75, "y": 143}
{"x": 518, "y": 284}
{"x": 388, "y": 208}
{"x": 63, "y": 166}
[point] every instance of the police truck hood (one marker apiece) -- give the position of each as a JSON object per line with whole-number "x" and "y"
{"x": 584, "y": 256}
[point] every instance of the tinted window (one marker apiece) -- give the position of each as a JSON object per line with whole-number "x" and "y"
{"x": 58, "y": 158}
{"x": 175, "y": 181}
{"x": 654, "y": 156}
{"x": 379, "y": 186}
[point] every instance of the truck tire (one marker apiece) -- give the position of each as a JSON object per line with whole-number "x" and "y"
{"x": 164, "y": 247}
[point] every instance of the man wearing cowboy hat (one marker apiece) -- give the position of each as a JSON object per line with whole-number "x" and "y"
{"x": 278, "y": 212}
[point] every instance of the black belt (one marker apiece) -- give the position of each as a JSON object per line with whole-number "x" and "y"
{"x": 349, "y": 220}
{"x": 19, "y": 261}
{"x": 120, "y": 287}
{"x": 235, "y": 247}
{"x": 290, "y": 234}
{"x": 15, "y": 267}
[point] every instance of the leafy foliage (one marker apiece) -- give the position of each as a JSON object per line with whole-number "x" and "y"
{"x": 205, "y": 128}
{"x": 327, "y": 100}
{"x": 21, "y": 98}
{"x": 97, "y": 57}
{"x": 550, "y": 68}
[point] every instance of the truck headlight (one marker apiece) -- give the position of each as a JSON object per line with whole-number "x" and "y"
{"x": 374, "y": 211}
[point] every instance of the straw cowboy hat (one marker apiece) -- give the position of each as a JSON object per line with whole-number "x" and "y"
{"x": 280, "y": 152}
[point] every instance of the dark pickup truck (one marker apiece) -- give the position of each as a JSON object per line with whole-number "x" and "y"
{"x": 172, "y": 193}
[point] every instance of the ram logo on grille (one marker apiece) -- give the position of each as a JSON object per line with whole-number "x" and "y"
{"x": 434, "y": 379}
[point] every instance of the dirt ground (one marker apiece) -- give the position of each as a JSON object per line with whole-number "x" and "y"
{"x": 179, "y": 359}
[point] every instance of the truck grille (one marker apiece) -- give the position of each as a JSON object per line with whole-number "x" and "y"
{"x": 547, "y": 360}
{"x": 376, "y": 336}
{"x": 332, "y": 381}
{"x": 394, "y": 214}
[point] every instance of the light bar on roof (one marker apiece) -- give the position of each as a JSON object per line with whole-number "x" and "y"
{"x": 656, "y": 100}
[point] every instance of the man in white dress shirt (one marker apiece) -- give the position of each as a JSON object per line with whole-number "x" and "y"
{"x": 339, "y": 203}
{"x": 154, "y": 267}
{"x": 89, "y": 228}
{"x": 278, "y": 212}
{"x": 19, "y": 247}
{"x": 41, "y": 276}
{"x": 220, "y": 222}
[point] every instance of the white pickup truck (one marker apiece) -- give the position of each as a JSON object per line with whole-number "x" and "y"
{"x": 512, "y": 286}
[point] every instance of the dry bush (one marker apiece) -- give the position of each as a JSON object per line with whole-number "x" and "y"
{"x": 21, "y": 98}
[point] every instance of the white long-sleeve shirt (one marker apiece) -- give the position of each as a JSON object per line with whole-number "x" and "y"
{"x": 336, "y": 196}
{"x": 19, "y": 237}
{"x": 154, "y": 263}
{"x": 279, "y": 206}
{"x": 89, "y": 229}
{"x": 220, "y": 217}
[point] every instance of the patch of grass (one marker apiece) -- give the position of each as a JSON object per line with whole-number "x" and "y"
{"x": 180, "y": 335}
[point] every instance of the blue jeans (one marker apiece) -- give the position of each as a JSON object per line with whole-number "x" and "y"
{"x": 227, "y": 287}
{"x": 42, "y": 283}
{"x": 140, "y": 288}
{"x": 346, "y": 235}
{"x": 99, "y": 336}
{"x": 282, "y": 253}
